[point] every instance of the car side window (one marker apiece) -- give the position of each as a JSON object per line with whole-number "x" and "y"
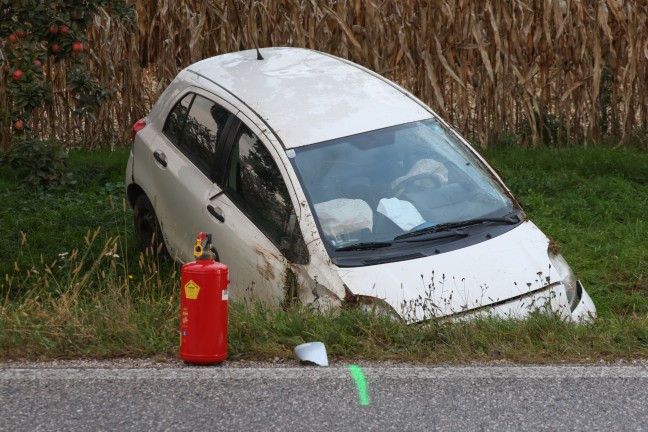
{"x": 176, "y": 119}
{"x": 198, "y": 135}
{"x": 255, "y": 183}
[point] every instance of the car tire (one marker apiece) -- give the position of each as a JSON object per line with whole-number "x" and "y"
{"x": 147, "y": 228}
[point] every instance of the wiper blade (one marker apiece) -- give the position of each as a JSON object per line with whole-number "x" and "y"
{"x": 363, "y": 246}
{"x": 510, "y": 220}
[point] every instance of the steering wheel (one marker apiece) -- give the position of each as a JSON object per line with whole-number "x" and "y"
{"x": 400, "y": 189}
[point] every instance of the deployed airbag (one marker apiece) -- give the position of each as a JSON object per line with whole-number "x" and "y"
{"x": 343, "y": 216}
{"x": 402, "y": 213}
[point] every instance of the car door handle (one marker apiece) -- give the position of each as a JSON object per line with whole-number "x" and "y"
{"x": 215, "y": 213}
{"x": 160, "y": 157}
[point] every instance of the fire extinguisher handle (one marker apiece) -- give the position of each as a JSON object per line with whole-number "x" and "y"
{"x": 215, "y": 213}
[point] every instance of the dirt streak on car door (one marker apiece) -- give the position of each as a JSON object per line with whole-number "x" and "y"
{"x": 256, "y": 267}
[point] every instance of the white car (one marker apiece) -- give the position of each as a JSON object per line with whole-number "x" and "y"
{"x": 323, "y": 182}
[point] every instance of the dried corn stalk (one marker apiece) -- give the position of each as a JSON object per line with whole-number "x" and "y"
{"x": 549, "y": 71}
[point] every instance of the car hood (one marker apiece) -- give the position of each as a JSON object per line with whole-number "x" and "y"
{"x": 507, "y": 267}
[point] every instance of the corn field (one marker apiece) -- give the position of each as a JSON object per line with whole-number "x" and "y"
{"x": 541, "y": 71}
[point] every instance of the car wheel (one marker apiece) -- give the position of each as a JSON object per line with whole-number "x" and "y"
{"x": 147, "y": 228}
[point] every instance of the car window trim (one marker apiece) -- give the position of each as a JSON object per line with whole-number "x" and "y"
{"x": 221, "y": 164}
{"x": 214, "y": 175}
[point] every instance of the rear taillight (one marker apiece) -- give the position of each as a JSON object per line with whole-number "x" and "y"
{"x": 141, "y": 123}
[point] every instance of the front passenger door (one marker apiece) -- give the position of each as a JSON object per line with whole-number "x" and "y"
{"x": 260, "y": 233}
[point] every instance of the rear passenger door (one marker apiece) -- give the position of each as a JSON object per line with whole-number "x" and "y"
{"x": 187, "y": 155}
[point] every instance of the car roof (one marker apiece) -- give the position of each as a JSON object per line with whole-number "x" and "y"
{"x": 307, "y": 97}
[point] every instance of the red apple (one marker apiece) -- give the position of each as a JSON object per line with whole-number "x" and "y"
{"x": 21, "y": 33}
{"x": 53, "y": 29}
{"x": 19, "y": 125}
{"x": 17, "y": 74}
{"x": 13, "y": 38}
{"x": 77, "y": 47}
{"x": 64, "y": 29}
{"x": 55, "y": 48}
{"x": 37, "y": 63}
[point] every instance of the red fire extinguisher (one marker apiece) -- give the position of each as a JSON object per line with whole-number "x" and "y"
{"x": 203, "y": 306}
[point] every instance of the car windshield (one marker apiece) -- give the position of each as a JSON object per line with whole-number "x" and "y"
{"x": 370, "y": 189}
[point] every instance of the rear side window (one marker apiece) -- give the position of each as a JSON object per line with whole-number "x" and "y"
{"x": 175, "y": 122}
{"x": 198, "y": 134}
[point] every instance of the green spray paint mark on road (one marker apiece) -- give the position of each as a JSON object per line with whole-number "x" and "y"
{"x": 361, "y": 383}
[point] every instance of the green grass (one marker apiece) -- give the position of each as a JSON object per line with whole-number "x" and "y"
{"x": 56, "y": 222}
{"x": 74, "y": 286}
{"x": 259, "y": 333}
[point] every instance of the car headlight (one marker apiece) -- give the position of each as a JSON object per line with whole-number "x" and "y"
{"x": 567, "y": 278}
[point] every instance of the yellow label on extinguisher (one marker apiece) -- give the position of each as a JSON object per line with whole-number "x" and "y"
{"x": 191, "y": 290}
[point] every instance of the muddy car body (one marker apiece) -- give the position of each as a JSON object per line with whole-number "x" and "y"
{"x": 324, "y": 182}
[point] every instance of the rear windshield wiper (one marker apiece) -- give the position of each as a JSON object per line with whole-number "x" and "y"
{"x": 509, "y": 220}
{"x": 363, "y": 246}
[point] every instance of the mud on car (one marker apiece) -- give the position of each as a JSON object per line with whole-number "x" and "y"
{"x": 323, "y": 181}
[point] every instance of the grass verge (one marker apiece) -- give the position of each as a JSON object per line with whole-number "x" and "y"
{"x": 69, "y": 291}
{"x": 594, "y": 203}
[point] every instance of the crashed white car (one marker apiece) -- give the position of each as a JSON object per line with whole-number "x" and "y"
{"x": 323, "y": 182}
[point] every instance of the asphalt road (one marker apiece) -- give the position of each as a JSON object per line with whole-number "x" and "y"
{"x": 268, "y": 398}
